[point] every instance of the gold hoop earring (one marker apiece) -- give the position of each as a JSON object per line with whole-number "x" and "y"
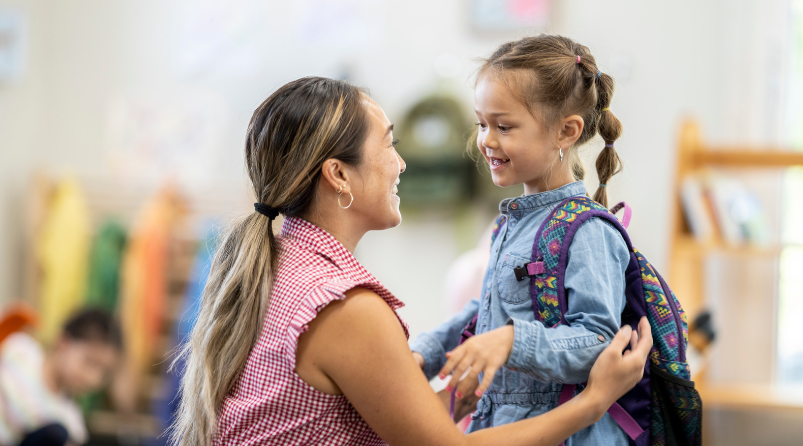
{"x": 339, "y": 193}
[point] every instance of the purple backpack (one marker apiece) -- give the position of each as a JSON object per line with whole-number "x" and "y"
{"x": 663, "y": 409}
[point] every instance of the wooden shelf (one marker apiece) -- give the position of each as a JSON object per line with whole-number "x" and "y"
{"x": 688, "y": 244}
{"x": 687, "y": 254}
{"x": 687, "y": 271}
{"x": 751, "y": 397}
{"x": 752, "y": 159}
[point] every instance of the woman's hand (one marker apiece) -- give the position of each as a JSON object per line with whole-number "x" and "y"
{"x": 615, "y": 373}
{"x": 481, "y": 353}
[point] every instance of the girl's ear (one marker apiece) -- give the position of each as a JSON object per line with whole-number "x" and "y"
{"x": 570, "y": 130}
{"x": 335, "y": 174}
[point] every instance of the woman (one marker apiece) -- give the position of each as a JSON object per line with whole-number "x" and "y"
{"x": 296, "y": 343}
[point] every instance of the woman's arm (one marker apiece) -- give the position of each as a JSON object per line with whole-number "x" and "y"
{"x": 359, "y": 347}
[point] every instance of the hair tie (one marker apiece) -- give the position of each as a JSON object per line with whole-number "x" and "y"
{"x": 605, "y": 109}
{"x": 599, "y": 73}
{"x": 578, "y": 59}
{"x": 609, "y": 145}
{"x": 266, "y": 210}
{"x": 603, "y": 185}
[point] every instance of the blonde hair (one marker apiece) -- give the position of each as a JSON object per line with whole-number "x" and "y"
{"x": 291, "y": 134}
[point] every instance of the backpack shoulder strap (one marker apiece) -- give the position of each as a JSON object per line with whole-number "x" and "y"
{"x": 550, "y": 254}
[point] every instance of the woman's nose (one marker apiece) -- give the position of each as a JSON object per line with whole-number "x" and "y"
{"x": 402, "y": 164}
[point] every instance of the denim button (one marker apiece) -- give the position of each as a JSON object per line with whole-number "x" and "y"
{"x": 601, "y": 338}
{"x": 514, "y": 205}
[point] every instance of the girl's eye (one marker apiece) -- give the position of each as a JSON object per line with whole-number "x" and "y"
{"x": 503, "y": 128}
{"x": 482, "y": 126}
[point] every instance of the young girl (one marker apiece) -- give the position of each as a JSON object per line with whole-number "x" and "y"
{"x": 537, "y": 100}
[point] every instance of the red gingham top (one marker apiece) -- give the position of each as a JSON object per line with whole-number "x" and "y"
{"x": 269, "y": 404}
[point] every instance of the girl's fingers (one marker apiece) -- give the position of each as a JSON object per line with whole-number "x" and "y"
{"x": 487, "y": 378}
{"x": 458, "y": 373}
{"x": 454, "y": 358}
{"x": 469, "y": 383}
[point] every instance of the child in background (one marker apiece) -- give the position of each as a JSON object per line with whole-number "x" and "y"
{"x": 536, "y": 101}
{"x": 37, "y": 386}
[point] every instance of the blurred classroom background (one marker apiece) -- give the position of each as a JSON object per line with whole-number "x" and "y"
{"x": 121, "y": 136}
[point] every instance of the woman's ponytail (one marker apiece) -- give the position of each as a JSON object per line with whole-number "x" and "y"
{"x": 234, "y": 302}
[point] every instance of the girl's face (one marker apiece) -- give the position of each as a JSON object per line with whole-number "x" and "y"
{"x": 377, "y": 178}
{"x": 517, "y": 146}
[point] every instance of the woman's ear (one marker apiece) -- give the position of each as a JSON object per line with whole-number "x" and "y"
{"x": 334, "y": 173}
{"x": 570, "y": 130}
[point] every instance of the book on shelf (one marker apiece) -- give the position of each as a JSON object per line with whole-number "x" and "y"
{"x": 695, "y": 209}
{"x": 722, "y": 207}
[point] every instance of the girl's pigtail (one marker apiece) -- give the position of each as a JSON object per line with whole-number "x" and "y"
{"x": 609, "y": 128}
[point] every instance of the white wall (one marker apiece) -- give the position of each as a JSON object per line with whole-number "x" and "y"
{"x": 86, "y": 53}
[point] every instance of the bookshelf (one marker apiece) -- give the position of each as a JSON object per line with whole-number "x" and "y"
{"x": 688, "y": 256}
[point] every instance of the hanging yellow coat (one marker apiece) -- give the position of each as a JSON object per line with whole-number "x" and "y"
{"x": 62, "y": 252}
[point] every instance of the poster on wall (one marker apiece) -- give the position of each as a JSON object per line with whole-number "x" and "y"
{"x": 509, "y": 15}
{"x": 12, "y": 45}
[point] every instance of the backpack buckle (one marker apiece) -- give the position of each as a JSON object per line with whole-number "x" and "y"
{"x": 528, "y": 270}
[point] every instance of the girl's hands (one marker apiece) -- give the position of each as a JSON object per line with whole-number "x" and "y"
{"x": 481, "y": 353}
{"x": 615, "y": 373}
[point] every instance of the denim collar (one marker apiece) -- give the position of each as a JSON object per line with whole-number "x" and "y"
{"x": 517, "y": 207}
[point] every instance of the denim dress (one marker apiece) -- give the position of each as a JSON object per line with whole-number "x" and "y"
{"x": 542, "y": 359}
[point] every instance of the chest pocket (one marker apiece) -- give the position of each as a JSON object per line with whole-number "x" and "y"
{"x": 511, "y": 290}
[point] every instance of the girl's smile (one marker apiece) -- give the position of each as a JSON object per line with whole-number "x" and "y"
{"x": 497, "y": 163}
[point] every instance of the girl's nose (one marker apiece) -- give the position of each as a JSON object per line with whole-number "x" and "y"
{"x": 489, "y": 143}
